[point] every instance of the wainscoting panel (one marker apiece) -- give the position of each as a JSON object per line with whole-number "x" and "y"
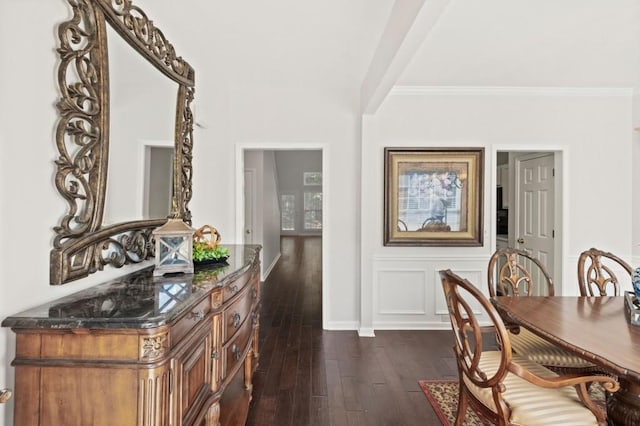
{"x": 401, "y": 292}
{"x": 407, "y": 291}
{"x": 475, "y": 276}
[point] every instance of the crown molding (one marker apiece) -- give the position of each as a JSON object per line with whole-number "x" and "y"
{"x": 512, "y": 91}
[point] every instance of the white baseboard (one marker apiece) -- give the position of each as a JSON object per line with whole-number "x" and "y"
{"x": 366, "y": 332}
{"x": 370, "y": 331}
{"x": 341, "y": 325}
{"x": 267, "y": 271}
{"x": 432, "y": 325}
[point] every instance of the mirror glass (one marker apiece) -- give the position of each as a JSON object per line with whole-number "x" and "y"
{"x": 142, "y": 120}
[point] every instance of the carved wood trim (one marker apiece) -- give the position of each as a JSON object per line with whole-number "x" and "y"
{"x": 154, "y": 347}
{"x": 153, "y": 398}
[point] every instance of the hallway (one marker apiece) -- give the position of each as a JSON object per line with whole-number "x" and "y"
{"x": 309, "y": 376}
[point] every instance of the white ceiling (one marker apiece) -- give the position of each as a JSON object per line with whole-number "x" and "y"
{"x": 330, "y": 43}
{"x": 529, "y": 43}
{"x": 276, "y": 43}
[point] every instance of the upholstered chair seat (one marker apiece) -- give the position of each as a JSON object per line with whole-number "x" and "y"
{"x": 532, "y": 405}
{"x": 541, "y": 351}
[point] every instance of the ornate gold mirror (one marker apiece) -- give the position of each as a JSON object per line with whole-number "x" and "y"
{"x": 84, "y": 242}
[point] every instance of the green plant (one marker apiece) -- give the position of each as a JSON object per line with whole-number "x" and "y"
{"x": 202, "y": 252}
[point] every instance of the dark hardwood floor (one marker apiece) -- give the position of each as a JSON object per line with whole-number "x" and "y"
{"x": 310, "y": 376}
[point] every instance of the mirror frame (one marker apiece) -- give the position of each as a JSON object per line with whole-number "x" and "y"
{"x": 83, "y": 245}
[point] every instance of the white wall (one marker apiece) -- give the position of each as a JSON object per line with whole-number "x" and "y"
{"x": 636, "y": 179}
{"x": 400, "y": 288}
{"x": 266, "y": 223}
{"x": 270, "y": 214}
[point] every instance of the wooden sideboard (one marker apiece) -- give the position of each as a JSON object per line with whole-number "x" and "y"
{"x": 143, "y": 350}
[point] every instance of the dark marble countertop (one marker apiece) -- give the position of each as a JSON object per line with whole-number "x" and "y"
{"x": 136, "y": 300}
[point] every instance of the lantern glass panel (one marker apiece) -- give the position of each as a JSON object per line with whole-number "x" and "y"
{"x": 173, "y": 251}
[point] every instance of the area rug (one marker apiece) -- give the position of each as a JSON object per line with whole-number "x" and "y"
{"x": 443, "y": 397}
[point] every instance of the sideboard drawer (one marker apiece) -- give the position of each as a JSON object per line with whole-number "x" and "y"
{"x": 188, "y": 321}
{"x": 250, "y": 276}
{"x": 236, "y": 286}
{"x": 235, "y": 348}
{"x": 236, "y": 314}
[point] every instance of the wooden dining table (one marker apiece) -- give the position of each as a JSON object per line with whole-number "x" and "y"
{"x": 596, "y": 329}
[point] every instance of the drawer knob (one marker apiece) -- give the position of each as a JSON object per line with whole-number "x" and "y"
{"x": 254, "y": 293}
{"x": 254, "y": 318}
{"x": 233, "y": 289}
{"x": 236, "y": 319}
{"x": 236, "y": 352}
{"x": 197, "y": 315}
{"x": 215, "y": 355}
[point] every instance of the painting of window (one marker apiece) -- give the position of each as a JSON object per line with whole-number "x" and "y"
{"x": 312, "y": 210}
{"x": 287, "y": 212}
{"x": 313, "y": 178}
{"x": 433, "y": 196}
{"x": 429, "y": 197}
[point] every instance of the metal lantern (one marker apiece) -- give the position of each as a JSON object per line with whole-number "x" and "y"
{"x": 174, "y": 248}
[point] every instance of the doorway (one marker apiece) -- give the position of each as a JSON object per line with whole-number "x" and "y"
{"x": 530, "y": 187}
{"x": 268, "y": 211}
{"x": 157, "y": 186}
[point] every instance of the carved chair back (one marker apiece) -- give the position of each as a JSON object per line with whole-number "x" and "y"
{"x": 597, "y": 272}
{"x": 514, "y": 272}
{"x": 464, "y": 301}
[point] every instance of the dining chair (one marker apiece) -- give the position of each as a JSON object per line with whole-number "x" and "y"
{"x": 503, "y": 387}
{"x": 597, "y": 272}
{"x": 514, "y": 272}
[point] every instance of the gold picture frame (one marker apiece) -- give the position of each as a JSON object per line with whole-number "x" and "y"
{"x": 433, "y": 196}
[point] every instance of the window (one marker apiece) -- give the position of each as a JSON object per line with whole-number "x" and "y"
{"x": 287, "y": 212}
{"x": 313, "y": 210}
{"x": 313, "y": 178}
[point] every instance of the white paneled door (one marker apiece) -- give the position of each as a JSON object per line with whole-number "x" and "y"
{"x": 249, "y": 202}
{"x": 535, "y": 223}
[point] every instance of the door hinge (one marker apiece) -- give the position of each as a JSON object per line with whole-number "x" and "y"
{"x": 553, "y": 172}
{"x": 553, "y": 233}
{"x": 170, "y": 381}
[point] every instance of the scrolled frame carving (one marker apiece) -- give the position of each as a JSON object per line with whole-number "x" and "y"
{"x": 82, "y": 244}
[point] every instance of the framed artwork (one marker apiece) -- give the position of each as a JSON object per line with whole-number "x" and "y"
{"x": 433, "y": 196}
